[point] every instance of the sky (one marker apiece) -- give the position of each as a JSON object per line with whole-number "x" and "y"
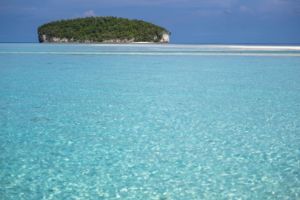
{"x": 189, "y": 21}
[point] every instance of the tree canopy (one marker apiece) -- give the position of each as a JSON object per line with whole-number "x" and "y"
{"x": 101, "y": 29}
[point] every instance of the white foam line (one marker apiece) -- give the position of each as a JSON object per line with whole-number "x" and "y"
{"x": 157, "y": 54}
{"x": 184, "y": 46}
{"x": 171, "y": 46}
{"x": 265, "y": 48}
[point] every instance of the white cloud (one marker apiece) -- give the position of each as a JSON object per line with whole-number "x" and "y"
{"x": 89, "y": 13}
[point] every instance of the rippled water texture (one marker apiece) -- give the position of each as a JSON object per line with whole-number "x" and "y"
{"x": 149, "y": 122}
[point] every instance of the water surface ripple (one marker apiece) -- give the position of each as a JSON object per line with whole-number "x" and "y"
{"x": 118, "y": 126}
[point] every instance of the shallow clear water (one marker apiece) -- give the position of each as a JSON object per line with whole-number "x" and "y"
{"x": 148, "y": 122}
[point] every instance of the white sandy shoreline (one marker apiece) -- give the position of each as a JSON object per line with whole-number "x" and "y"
{"x": 159, "y": 53}
{"x": 192, "y": 46}
{"x": 180, "y": 46}
{"x": 156, "y": 49}
{"x": 253, "y": 47}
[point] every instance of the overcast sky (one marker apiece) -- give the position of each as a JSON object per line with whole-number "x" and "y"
{"x": 190, "y": 21}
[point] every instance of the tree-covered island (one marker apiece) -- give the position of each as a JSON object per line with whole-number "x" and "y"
{"x": 102, "y": 30}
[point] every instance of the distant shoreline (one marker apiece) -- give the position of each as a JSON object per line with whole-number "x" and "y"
{"x": 149, "y": 48}
{"x": 231, "y": 47}
{"x": 250, "y": 47}
{"x": 184, "y": 44}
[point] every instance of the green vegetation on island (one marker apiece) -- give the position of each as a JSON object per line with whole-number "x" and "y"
{"x": 102, "y": 29}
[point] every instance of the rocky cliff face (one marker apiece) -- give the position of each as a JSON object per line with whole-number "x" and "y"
{"x": 165, "y": 38}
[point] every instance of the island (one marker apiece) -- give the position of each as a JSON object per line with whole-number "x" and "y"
{"x": 102, "y": 30}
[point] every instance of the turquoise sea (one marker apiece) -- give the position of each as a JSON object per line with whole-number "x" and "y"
{"x": 161, "y": 122}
